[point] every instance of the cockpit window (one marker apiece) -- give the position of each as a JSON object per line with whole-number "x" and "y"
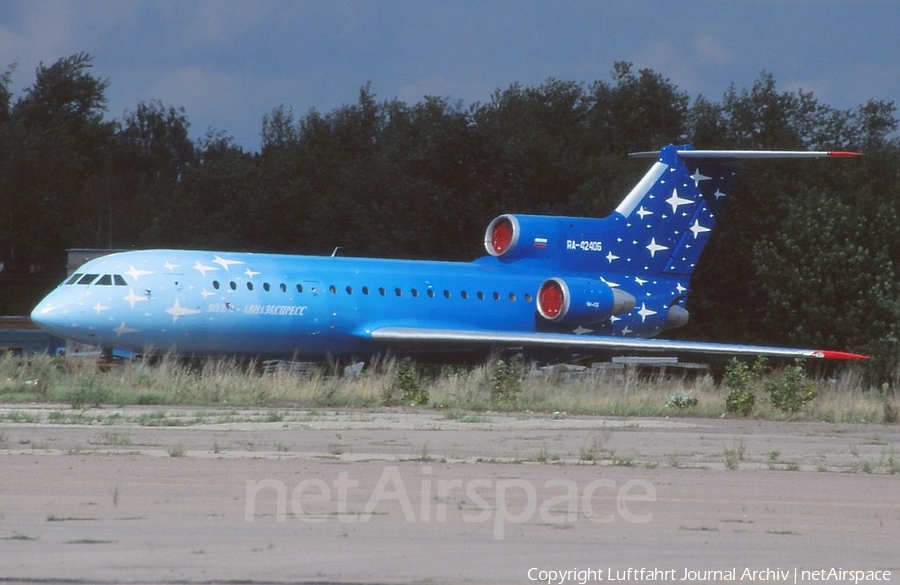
{"x": 105, "y": 280}
{"x": 119, "y": 280}
{"x": 74, "y": 278}
{"x": 88, "y": 278}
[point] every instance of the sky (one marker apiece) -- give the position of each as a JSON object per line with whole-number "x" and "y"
{"x": 230, "y": 62}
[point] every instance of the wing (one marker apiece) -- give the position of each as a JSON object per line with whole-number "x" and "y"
{"x": 455, "y": 338}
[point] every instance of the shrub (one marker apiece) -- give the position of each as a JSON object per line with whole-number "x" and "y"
{"x": 407, "y": 382}
{"x": 742, "y": 380}
{"x": 790, "y": 390}
{"x": 506, "y": 379}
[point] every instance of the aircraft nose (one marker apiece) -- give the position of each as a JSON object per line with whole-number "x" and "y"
{"x": 50, "y": 314}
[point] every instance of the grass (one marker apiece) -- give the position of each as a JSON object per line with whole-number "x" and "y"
{"x": 456, "y": 391}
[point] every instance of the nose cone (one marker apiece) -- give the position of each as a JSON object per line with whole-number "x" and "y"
{"x": 49, "y": 315}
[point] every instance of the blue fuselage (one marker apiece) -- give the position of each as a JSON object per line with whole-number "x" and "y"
{"x": 277, "y": 305}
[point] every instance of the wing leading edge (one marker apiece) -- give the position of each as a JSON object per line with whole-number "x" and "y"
{"x": 561, "y": 341}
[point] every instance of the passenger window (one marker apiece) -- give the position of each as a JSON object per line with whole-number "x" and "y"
{"x": 332, "y": 289}
{"x": 527, "y": 297}
{"x": 381, "y": 290}
{"x": 480, "y": 296}
{"x": 74, "y": 278}
{"x": 216, "y": 284}
{"x": 430, "y": 293}
{"x": 349, "y": 290}
{"x": 365, "y": 290}
{"x": 464, "y": 294}
{"x": 119, "y": 280}
{"x": 512, "y": 296}
{"x": 249, "y": 286}
{"x": 266, "y": 286}
{"x": 398, "y": 292}
{"x": 299, "y": 288}
{"x": 88, "y": 278}
{"x": 446, "y": 294}
{"x": 415, "y": 293}
{"x": 233, "y": 285}
{"x": 282, "y": 287}
{"x": 496, "y": 296}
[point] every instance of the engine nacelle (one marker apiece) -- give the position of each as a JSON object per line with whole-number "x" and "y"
{"x": 581, "y": 300}
{"x": 511, "y": 237}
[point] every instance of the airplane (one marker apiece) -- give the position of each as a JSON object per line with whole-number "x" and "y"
{"x": 547, "y": 284}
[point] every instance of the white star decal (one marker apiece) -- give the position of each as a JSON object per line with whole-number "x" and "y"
{"x": 675, "y": 201}
{"x": 250, "y": 273}
{"x": 640, "y": 281}
{"x": 133, "y": 298}
{"x": 134, "y": 273}
{"x": 611, "y": 257}
{"x": 177, "y": 310}
{"x": 206, "y": 294}
{"x": 645, "y": 312}
{"x": 698, "y": 229}
{"x": 643, "y": 212}
{"x": 170, "y": 267}
{"x": 122, "y": 329}
{"x": 202, "y": 269}
{"x": 719, "y": 194}
{"x": 608, "y": 283}
{"x": 225, "y": 263}
{"x": 680, "y": 288}
{"x": 626, "y": 330}
{"x": 654, "y": 247}
{"x": 697, "y": 177}
{"x": 100, "y": 308}
{"x": 581, "y": 330}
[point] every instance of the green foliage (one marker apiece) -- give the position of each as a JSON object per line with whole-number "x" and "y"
{"x": 741, "y": 380}
{"x": 682, "y": 399}
{"x": 506, "y": 379}
{"x": 790, "y": 390}
{"x": 406, "y": 380}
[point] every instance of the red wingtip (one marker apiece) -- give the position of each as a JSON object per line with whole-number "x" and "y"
{"x": 843, "y": 153}
{"x": 838, "y": 355}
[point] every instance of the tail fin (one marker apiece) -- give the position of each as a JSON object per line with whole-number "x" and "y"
{"x": 663, "y": 224}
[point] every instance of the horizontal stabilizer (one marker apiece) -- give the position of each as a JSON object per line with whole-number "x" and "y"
{"x": 750, "y": 154}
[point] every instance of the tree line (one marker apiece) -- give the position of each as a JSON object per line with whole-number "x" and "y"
{"x": 807, "y": 253}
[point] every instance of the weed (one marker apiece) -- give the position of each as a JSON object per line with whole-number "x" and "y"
{"x": 177, "y": 450}
{"x": 682, "y": 399}
{"x": 890, "y": 411}
{"x": 465, "y": 417}
{"x": 741, "y": 380}
{"x": 506, "y": 380}
{"x": 790, "y": 391}
{"x": 592, "y": 450}
{"x": 734, "y": 455}
{"x": 408, "y": 382}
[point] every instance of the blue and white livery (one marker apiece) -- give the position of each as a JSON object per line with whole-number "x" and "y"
{"x": 562, "y": 284}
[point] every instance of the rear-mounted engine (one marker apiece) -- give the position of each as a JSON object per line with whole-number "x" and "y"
{"x": 511, "y": 237}
{"x": 581, "y": 300}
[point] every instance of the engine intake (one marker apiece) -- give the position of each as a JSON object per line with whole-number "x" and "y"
{"x": 581, "y": 300}
{"x": 502, "y": 235}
